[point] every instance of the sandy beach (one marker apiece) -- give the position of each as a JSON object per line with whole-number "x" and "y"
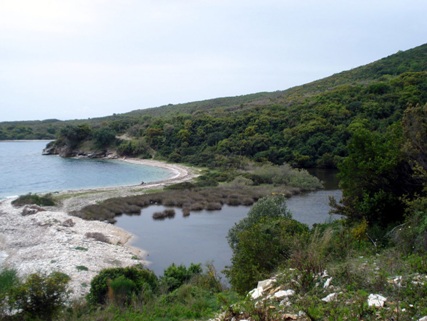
{"x": 52, "y": 240}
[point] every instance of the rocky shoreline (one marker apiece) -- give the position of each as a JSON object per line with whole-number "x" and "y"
{"x": 51, "y": 240}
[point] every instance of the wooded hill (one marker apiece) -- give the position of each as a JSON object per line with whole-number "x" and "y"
{"x": 306, "y": 126}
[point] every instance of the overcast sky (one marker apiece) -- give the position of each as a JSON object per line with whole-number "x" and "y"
{"x": 69, "y": 59}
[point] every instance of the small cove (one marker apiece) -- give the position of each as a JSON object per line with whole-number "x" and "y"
{"x": 23, "y": 169}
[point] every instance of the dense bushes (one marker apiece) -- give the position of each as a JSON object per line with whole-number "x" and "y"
{"x": 8, "y": 280}
{"x": 30, "y": 199}
{"x": 261, "y": 242}
{"x": 38, "y": 297}
{"x": 134, "y": 293}
{"x": 261, "y": 249}
{"x": 176, "y": 275}
{"x": 118, "y": 284}
{"x": 267, "y": 207}
{"x": 384, "y": 171}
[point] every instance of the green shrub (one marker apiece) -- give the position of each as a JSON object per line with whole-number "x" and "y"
{"x": 269, "y": 207}
{"x": 411, "y": 237}
{"x": 82, "y": 268}
{"x": 123, "y": 289}
{"x": 260, "y": 249}
{"x": 8, "y": 280}
{"x": 176, "y": 275}
{"x": 40, "y": 296}
{"x": 284, "y": 175}
{"x": 101, "y": 290}
{"x": 208, "y": 280}
{"x": 29, "y": 199}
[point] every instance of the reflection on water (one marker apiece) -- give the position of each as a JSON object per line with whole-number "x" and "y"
{"x": 313, "y": 207}
{"x": 329, "y": 177}
{"x": 198, "y": 238}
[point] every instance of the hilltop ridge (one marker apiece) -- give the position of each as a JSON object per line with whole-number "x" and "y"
{"x": 306, "y": 126}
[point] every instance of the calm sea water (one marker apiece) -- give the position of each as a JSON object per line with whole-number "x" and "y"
{"x": 23, "y": 169}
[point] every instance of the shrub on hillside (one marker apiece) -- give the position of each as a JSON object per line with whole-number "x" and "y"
{"x": 143, "y": 283}
{"x": 29, "y": 199}
{"x": 8, "y": 280}
{"x": 40, "y": 297}
{"x": 260, "y": 249}
{"x": 267, "y": 207}
{"x": 176, "y": 275}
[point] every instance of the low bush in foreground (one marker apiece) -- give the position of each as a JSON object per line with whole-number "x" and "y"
{"x": 120, "y": 284}
{"x": 38, "y": 297}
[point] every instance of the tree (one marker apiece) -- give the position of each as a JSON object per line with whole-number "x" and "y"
{"x": 103, "y": 137}
{"x": 41, "y": 297}
{"x": 415, "y": 131}
{"x": 74, "y": 135}
{"x": 412, "y": 236}
{"x": 261, "y": 248}
{"x": 270, "y": 207}
{"x": 375, "y": 176}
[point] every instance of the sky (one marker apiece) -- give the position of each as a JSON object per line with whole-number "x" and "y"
{"x": 78, "y": 59}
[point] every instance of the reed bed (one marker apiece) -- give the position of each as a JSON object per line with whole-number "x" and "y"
{"x": 189, "y": 200}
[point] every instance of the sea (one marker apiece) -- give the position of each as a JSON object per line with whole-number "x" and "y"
{"x": 23, "y": 170}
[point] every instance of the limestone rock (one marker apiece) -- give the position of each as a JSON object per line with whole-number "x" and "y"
{"x": 327, "y": 283}
{"x": 31, "y": 210}
{"x": 266, "y": 284}
{"x": 256, "y": 293}
{"x": 282, "y": 294}
{"x": 376, "y": 300}
{"x": 68, "y": 223}
{"x": 330, "y": 297}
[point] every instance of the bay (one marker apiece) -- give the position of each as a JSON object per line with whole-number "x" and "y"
{"x": 23, "y": 169}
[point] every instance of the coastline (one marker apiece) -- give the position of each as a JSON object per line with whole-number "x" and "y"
{"x": 72, "y": 200}
{"x": 52, "y": 240}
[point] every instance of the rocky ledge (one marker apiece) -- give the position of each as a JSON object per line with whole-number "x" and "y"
{"x": 66, "y": 151}
{"x": 42, "y": 240}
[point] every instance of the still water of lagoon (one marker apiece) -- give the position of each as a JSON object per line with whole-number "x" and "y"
{"x": 23, "y": 169}
{"x": 201, "y": 237}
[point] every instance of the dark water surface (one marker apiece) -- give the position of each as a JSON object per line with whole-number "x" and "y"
{"x": 201, "y": 237}
{"x": 23, "y": 169}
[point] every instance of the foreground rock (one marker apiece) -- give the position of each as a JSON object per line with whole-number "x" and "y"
{"x": 52, "y": 241}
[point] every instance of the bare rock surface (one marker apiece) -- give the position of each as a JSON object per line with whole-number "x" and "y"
{"x": 41, "y": 243}
{"x": 51, "y": 240}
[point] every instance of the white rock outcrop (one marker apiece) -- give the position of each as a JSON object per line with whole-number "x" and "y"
{"x": 376, "y": 300}
{"x": 43, "y": 243}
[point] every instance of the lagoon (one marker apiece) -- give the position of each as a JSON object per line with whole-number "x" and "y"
{"x": 201, "y": 237}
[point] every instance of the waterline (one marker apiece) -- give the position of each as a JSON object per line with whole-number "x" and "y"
{"x": 23, "y": 170}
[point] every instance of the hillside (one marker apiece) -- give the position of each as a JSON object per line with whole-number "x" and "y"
{"x": 306, "y": 126}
